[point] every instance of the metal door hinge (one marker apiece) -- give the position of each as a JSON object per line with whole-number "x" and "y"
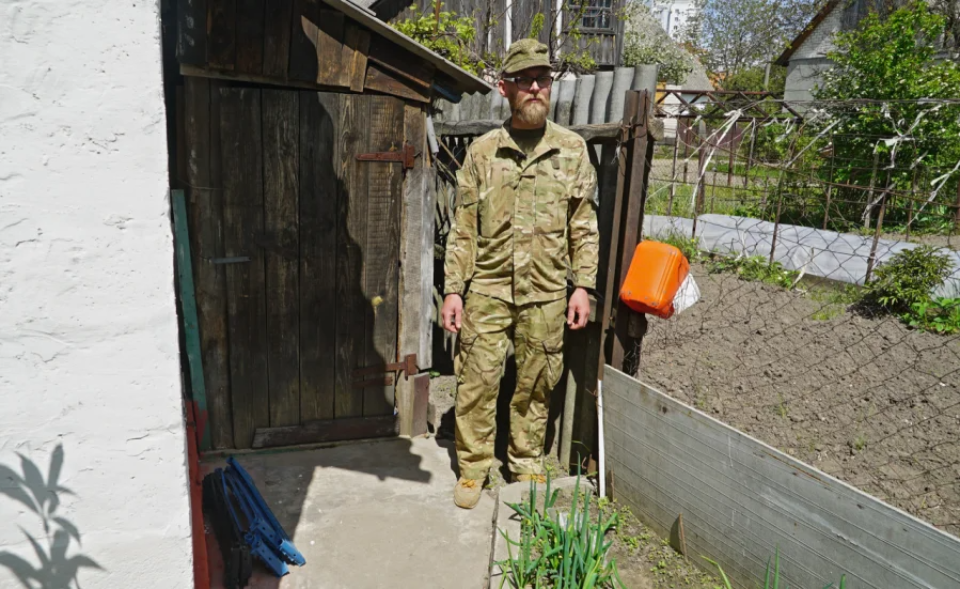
{"x": 405, "y": 156}
{"x": 408, "y": 366}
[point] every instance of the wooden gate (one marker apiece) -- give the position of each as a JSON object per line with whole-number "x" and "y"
{"x": 295, "y": 253}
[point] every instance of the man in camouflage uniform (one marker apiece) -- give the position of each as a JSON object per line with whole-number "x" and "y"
{"x": 526, "y": 216}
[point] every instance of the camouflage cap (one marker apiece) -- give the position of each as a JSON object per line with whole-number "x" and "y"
{"x": 523, "y": 54}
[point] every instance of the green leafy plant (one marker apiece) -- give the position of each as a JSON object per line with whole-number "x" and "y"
{"x": 940, "y": 315}
{"x": 559, "y": 550}
{"x": 756, "y": 269}
{"x": 450, "y": 37}
{"x": 907, "y": 279}
{"x": 688, "y": 246}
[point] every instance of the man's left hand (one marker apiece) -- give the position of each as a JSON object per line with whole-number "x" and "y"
{"x": 578, "y": 309}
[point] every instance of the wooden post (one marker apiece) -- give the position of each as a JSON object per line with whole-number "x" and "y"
{"x": 776, "y": 221}
{"x": 701, "y": 178}
{"x": 733, "y": 155}
{"x": 956, "y": 212}
{"x": 753, "y": 144}
{"x": 876, "y": 236}
{"x": 188, "y": 307}
{"x": 629, "y": 331}
{"x": 673, "y": 171}
{"x": 826, "y": 210}
{"x": 873, "y": 179}
{"x": 913, "y": 193}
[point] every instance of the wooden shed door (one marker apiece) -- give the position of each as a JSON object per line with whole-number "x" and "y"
{"x": 308, "y": 260}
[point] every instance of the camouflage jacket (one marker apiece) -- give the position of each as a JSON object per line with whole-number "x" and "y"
{"x": 522, "y": 222}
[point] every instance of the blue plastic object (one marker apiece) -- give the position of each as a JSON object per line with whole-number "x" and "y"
{"x": 266, "y": 538}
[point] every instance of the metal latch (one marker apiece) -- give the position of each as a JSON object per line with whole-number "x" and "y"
{"x": 408, "y": 367}
{"x": 405, "y": 156}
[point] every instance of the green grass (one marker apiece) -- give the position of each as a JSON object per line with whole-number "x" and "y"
{"x": 834, "y": 300}
{"x": 756, "y": 269}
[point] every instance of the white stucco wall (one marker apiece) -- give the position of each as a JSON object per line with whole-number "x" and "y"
{"x": 88, "y": 327}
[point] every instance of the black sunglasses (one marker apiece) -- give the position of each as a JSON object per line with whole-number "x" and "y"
{"x": 526, "y": 82}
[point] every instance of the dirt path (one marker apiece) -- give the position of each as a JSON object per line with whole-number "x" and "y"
{"x": 868, "y": 401}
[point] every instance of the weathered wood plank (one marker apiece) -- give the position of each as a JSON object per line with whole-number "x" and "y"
{"x": 331, "y": 430}
{"x": 401, "y": 62}
{"x": 303, "y": 40}
{"x": 250, "y": 30}
{"x": 192, "y": 31}
{"x": 386, "y": 82}
{"x": 381, "y": 252}
{"x": 330, "y": 48}
{"x": 318, "y": 254}
{"x": 188, "y": 70}
{"x": 205, "y": 215}
{"x": 281, "y": 160}
{"x": 221, "y": 34}
{"x": 416, "y": 265}
{"x": 352, "y": 131}
{"x": 276, "y": 38}
{"x": 242, "y": 166}
{"x": 741, "y": 498}
{"x": 606, "y": 132}
{"x": 356, "y": 46}
{"x": 188, "y": 308}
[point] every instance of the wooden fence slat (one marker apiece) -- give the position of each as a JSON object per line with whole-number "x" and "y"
{"x": 188, "y": 307}
{"x": 281, "y": 159}
{"x": 205, "y": 214}
{"x": 303, "y": 37}
{"x": 351, "y": 236}
{"x": 221, "y": 34}
{"x": 276, "y": 45}
{"x": 356, "y": 46}
{"x": 318, "y": 254}
{"x": 242, "y": 166}
{"x": 381, "y": 252}
{"x": 192, "y": 31}
{"x": 741, "y": 499}
{"x": 250, "y": 41}
{"x": 330, "y": 45}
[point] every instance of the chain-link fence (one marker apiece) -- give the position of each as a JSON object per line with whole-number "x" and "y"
{"x": 790, "y": 353}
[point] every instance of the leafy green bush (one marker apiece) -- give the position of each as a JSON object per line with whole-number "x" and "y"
{"x": 451, "y": 38}
{"x": 557, "y": 549}
{"x": 939, "y": 315}
{"x": 907, "y": 279}
{"x": 756, "y": 269}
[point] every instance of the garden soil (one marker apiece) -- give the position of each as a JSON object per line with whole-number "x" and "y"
{"x": 867, "y": 400}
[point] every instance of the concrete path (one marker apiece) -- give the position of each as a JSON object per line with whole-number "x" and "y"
{"x": 371, "y": 515}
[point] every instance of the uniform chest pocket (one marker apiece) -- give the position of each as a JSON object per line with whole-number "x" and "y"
{"x": 552, "y": 194}
{"x": 496, "y": 199}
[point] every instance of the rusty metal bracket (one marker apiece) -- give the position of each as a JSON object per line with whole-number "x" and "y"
{"x": 405, "y": 156}
{"x": 408, "y": 366}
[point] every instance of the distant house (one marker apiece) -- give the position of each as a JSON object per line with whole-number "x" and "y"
{"x": 498, "y": 26}
{"x": 806, "y": 56}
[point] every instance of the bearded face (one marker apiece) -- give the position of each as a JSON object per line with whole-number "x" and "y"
{"x": 529, "y": 100}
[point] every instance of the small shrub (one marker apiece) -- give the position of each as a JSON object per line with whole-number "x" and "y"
{"x": 757, "y": 269}
{"x": 688, "y": 246}
{"x": 907, "y": 279}
{"x": 939, "y": 315}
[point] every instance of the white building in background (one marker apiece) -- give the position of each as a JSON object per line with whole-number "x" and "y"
{"x": 673, "y": 14}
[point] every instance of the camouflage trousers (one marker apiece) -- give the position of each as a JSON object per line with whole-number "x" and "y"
{"x": 488, "y": 326}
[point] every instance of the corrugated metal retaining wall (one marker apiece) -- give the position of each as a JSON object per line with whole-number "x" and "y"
{"x": 740, "y": 499}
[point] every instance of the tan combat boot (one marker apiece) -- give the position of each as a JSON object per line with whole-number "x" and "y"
{"x": 467, "y": 492}
{"x": 540, "y": 479}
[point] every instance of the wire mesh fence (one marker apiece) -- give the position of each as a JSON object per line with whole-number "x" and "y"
{"x": 800, "y": 362}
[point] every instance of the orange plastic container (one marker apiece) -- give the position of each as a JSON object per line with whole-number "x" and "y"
{"x": 654, "y": 277}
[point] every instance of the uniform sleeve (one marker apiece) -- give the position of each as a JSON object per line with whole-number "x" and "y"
{"x": 461, "y": 252}
{"x": 584, "y": 235}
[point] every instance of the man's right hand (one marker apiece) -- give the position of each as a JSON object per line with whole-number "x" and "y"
{"x": 452, "y": 312}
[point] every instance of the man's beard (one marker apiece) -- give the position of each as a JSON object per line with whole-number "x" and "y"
{"x": 532, "y": 112}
